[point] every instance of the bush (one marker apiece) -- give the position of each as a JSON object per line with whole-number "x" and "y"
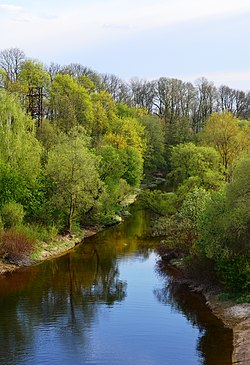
{"x": 37, "y": 232}
{"x": 158, "y": 202}
{"x": 235, "y": 272}
{"x": 12, "y": 214}
{"x": 15, "y": 245}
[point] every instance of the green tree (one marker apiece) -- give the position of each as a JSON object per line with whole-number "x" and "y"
{"x": 191, "y": 163}
{"x": 70, "y": 104}
{"x": 154, "y": 156}
{"x": 224, "y": 229}
{"x": 224, "y": 132}
{"x": 18, "y": 146}
{"x": 104, "y": 110}
{"x": 74, "y": 171}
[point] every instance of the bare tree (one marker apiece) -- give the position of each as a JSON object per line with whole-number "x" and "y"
{"x": 10, "y": 62}
{"x": 118, "y": 88}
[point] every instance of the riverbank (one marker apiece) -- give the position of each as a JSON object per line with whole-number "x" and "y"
{"x": 62, "y": 244}
{"x": 44, "y": 251}
{"x": 237, "y": 317}
{"x": 233, "y": 315}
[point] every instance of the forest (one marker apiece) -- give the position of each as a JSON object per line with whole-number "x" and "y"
{"x": 75, "y": 143}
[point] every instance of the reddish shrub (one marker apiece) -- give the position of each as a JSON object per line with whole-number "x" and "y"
{"x": 15, "y": 245}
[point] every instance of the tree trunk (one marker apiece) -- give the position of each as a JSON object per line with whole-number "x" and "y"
{"x": 70, "y": 216}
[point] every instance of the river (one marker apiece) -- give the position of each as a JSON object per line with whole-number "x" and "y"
{"x": 107, "y": 302}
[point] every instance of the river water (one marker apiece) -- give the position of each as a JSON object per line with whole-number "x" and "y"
{"x": 107, "y": 302}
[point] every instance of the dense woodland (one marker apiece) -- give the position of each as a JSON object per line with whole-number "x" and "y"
{"x": 75, "y": 143}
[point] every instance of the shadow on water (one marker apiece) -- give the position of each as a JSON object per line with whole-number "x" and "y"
{"x": 215, "y": 341}
{"x": 51, "y": 309}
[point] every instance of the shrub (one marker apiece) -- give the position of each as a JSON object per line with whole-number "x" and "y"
{"x": 12, "y": 214}
{"x": 15, "y": 245}
{"x": 158, "y": 202}
{"x": 235, "y": 272}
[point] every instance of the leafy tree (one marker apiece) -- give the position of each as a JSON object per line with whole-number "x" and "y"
{"x": 18, "y": 146}
{"x": 12, "y": 185}
{"x": 33, "y": 74}
{"x": 74, "y": 171}
{"x": 154, "y": 157}
{"x": 70, "y": 104}
{"x": 196, "y": 162}
{"x": 223, "y": 132}
{"x": 127, "y": 136}
{"x": 224, "y": 229}
{"x": 104, "y": 110}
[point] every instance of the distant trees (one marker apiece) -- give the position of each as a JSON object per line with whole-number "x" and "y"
{"x": 10, "y": 65}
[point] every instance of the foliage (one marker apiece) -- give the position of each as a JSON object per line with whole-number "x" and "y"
{"x": 199, "y": 162}
{"x": 229, "y": 137}
{"x": 224, "y": 229}
{"x": 158, "y": 201}
{"x": 18, "y": 146}
{"x": 70, "y": 104}
{"x": 234, "y": 271}
{"x": 12, "y": 214}
{"x": 154, "y": 157}
{"x": 180, "y": 229}
{"x": 74, "y": 171}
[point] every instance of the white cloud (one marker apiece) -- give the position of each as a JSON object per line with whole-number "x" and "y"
{"x": 98, "y": 21}
{"x": 10, "y": 9}
{"x": 56, "y": 31}
{"x": 141, "y": 15}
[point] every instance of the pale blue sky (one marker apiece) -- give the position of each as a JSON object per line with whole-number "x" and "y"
{"x": 185, "y": 39}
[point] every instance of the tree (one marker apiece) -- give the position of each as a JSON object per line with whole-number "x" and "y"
{"x": 143, "y": 94}
{"x": 104, "y": 111}
{"x": 224, "y": 228}
{"x": 34, "y": 83}
{"x": 199, "y": 163}
{"x": 70, "y": 104}
{"x": 206, "y": 103}
{"x": 118, "y": 89}
{"x": 74, "y": 171}
{"x": 224, "y": 133}
{"x": 10, "y": 62}
{"x": 154, "y": 157}
{"x": 18, "y": 146}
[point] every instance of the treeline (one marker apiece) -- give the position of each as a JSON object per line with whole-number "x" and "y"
{"x": 69, "y": 153}
{"x": 206, "y": 220}
{"x": 74, "y": 143}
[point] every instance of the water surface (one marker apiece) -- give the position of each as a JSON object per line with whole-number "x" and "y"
{"x": 106, "y": 302}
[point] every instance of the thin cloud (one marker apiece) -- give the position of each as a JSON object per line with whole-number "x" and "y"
{"x": 10, "y": 9}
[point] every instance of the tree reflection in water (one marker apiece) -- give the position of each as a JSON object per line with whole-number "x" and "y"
{"x": 215, "y": 342}
{"x": 60, "y": 295}
{"x": 53, "y": 309}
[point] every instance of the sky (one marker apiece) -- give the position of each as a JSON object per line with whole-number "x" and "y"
{"x": 148, "y": 39}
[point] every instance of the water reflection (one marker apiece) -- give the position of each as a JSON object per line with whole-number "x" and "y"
{"x": 215, "y": 341}
{"x": 66, "y": 310}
